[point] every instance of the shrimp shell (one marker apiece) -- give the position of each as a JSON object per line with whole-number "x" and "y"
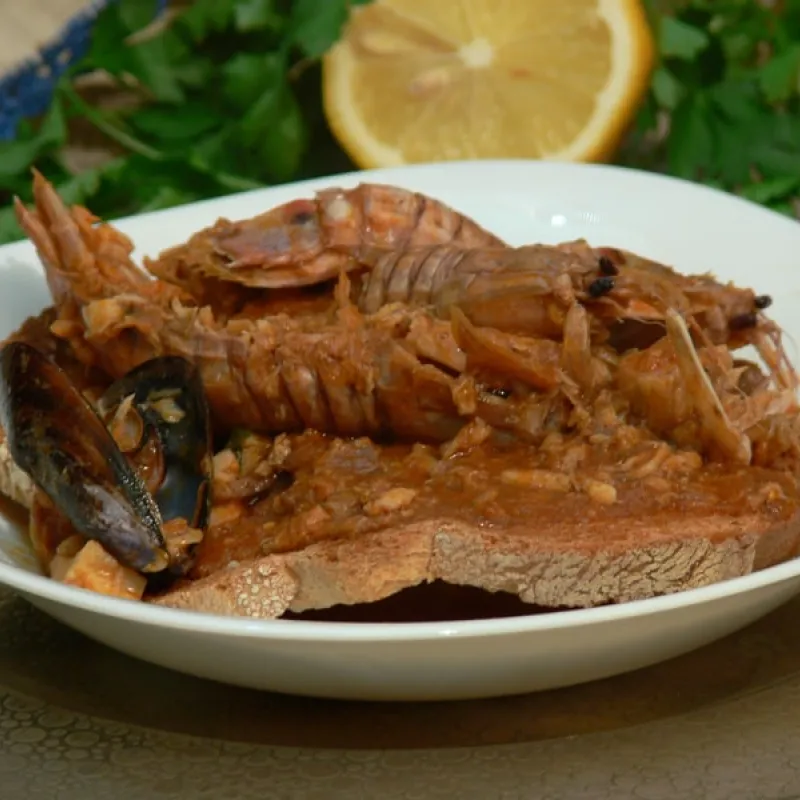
{"x": 311, "y": 241}
{"x": 530, "y": 290}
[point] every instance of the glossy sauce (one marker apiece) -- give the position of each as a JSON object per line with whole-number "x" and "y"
{"x": 568, "y": 492}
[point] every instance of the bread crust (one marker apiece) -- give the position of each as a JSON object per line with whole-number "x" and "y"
{"x": 549, "y": 568}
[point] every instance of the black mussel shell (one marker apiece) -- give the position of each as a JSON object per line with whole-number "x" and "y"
{"x": 56, "y": 437}
{"x": 168, "y": 394}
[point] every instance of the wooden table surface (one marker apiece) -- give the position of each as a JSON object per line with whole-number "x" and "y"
{"x": 26, "y": 25}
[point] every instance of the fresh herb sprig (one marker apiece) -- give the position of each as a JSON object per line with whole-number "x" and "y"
{"x": 227, "y": 97}
{"x": 724, "y": 100}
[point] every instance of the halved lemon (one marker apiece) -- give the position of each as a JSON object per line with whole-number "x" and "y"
{"x": 430, "y": 80}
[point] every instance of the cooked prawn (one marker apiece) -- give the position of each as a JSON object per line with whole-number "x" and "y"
{"x": 437, "y": 347}
{"x": 312, "y": 240}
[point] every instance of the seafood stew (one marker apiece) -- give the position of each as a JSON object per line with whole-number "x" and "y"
{"x": 369, "y": 386}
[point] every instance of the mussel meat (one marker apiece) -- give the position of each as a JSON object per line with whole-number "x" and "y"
{"x": 65, "y": 445}
{"x": 168, "y": 395}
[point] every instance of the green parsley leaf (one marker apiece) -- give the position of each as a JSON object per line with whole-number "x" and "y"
{"x": 254, "y": 15}
{"x": 137, "y": 14}
{"x": 195, "y": 119}
{"x": 772, "y": 190}
{"x": 204, "y": 17}
{"x": 107, "y": 50}
{"x": 667, "y": 89}
{"x": 680, "y": 40}
{"x": 692, "y": 142}
{"x": 316, "y": 24}
{"x": 778, "y": 78}
{"x": 17, "y": 155}
{"x": 78, "y": 188}
{"x": 149, "y": 61}
{"x": 246, "y": 75}
{"x": 273, "y": 132}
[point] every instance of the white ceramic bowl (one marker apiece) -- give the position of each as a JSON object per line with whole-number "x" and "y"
{"x": 693, "y": 228}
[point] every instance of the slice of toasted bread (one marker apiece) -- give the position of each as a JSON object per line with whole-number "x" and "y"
{"x": 553, "y": 567}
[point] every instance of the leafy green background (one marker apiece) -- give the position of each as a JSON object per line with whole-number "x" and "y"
{"x": 227, "y": 97}
{"x": 723, "y": 106}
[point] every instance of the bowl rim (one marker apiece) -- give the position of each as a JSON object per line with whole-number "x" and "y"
{"x": 36, "y": 586}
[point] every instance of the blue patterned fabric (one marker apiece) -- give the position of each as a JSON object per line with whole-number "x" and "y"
{"x": 26, "y": 90}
